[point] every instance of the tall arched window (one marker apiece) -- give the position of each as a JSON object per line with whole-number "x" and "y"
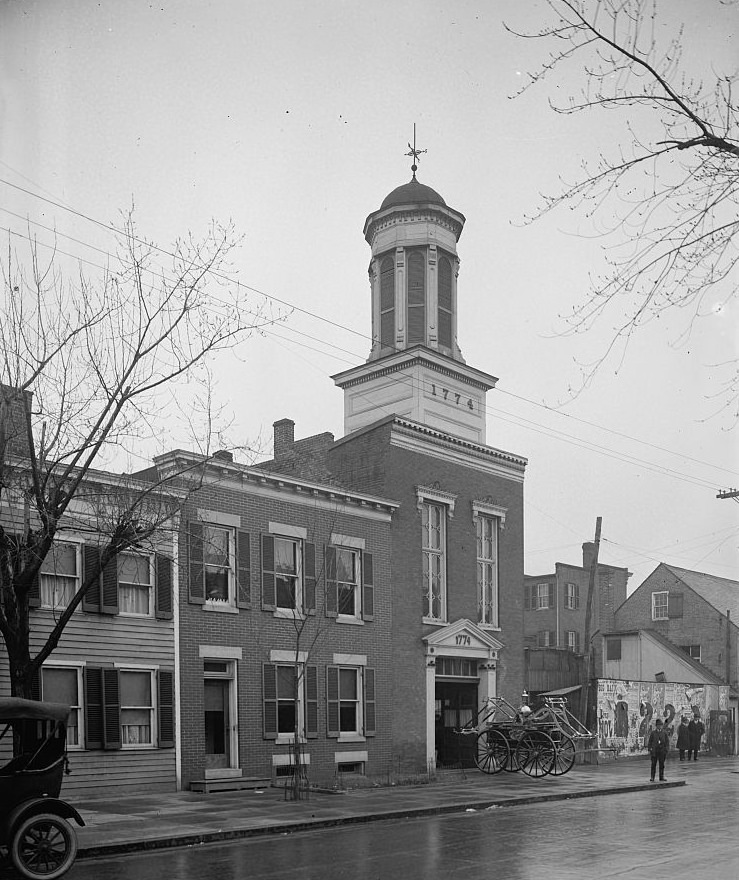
{"x": 445, "y": 302}
{"x": 387, "y": 303}
{"x": 416, "y": 297}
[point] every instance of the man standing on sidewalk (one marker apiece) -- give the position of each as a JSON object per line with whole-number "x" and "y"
{"x": 658, "y": 746}
{"x": 696, "y": 730}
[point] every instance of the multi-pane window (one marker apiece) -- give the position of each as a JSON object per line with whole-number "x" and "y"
{"x": 547, "y": 638}
{"x": 137, "y": 708}
{"x": 659, "y": 606}
{"x": 487, "y": 569}
{"x": 59, "y": 575}
{"x": 573, "y": 640}
{"x": 693, "y": 651}
{"x": 542, "y": 595}
{"x": 434, "y": 560}
{"x": 348, "y": 698}
{"x": 287, "y": 573}
{"x": 286, "y": 700}
{"x": 572, "y": 596}
{"x": 61, "y": 684}
{"x": 218, "y": 556}
{"x": 348, "y": 581}
{"x": 135, "y": 586}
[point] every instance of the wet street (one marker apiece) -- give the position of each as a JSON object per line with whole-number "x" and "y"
{"x": 673, "y": 833}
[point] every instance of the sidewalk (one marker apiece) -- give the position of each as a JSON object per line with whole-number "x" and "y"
{"x": 125, "y": 824}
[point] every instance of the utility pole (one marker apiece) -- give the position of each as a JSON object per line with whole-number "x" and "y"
{"x": 588, "y": 617}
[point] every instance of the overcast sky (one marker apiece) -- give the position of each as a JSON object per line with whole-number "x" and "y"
{"x": 292, "y": 118}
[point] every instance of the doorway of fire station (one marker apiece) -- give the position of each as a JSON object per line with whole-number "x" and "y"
{"x": 456, "y": 705}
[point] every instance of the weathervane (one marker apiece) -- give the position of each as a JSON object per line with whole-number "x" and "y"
{"x": 414, "y": 152}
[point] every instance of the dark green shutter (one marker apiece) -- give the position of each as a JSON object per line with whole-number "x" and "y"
{"x": 311, "y": 701}
{"x": 309, "y": 578}
{"x": 92, "y": 599}
{"x": 368, "y": 587}
{"x": 332, "y": 701}
{"x": 243, "y": 570}
{"x": 269, "y": 700}
{"x": 165, "y": 690}
{"x": 110, "y": 587}
{"x": 674, "y": 605}
{"x": 332, "y": 589}
{"x": 268, "y": 574}
{"x": 370, "y": 703}
{"x": 94, "y": 712}
{"x": 111, "y": 708}
{"x": 163, "y": 588}
{"x": 196, "y": 593}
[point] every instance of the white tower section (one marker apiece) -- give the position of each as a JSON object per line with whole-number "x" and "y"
{"x": 415, "y": 368}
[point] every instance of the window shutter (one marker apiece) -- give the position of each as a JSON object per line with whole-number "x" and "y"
{"x": 93, "y": 707}
{"x": 311, "y": 701}
{"x": 268, "y": 577}
{"x": 416, "y": 324}
{"x": 165, "y": 689}
{"x": 110, "y": 588}
{"x": 577, "y": 641}
{"x": 387, "y": 302}
{"x": 91, "y": 563}
{"x": 368, "y": 587}
{"x": 675, "y": 605}
{"x": 243, "y": 570}
{"x": 196, "y": 593}
{"x": 552, "y": 638}
{"x": 332, "y": 590}
{"x": 332, "y": 701}
{"x": 445, "y": 302}
{"x": 577, "y": 595}
{"x": 34, "y": 593}
{"x": 551, "y": 596}
{"x": 163, "y": 604}
{"x": 36, "y": 685}
{"x": 111, "y": 708}
{"x": 309, "y": 578}
{"x": 527, "y": 597}
{"x": 370, "y": 705}
{"x": 269, "y": 700}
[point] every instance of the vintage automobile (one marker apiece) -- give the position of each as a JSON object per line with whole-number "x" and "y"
{"x": 35, "y": 829}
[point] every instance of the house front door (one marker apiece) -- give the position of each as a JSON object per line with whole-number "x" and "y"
{"x": 217, "y": 724}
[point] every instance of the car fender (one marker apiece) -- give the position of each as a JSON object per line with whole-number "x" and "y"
{"x": 41, "y": 805}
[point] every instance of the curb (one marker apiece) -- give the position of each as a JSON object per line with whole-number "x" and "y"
{"x": 103, "y": 850}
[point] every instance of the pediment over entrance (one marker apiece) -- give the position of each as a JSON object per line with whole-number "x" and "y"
{"x": 463, "y": 638}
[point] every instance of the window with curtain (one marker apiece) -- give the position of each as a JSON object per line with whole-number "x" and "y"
{"x": 137, "y": 708}
{"x": 61, "y": 684}
{"x": 134, "y": 584}
{"x": 59, "y": 576}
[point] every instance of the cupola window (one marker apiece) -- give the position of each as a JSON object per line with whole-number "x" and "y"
{"x": 445, "y": 302}
{"x": 416, "y": 298}
{"x": 387, "y": 303}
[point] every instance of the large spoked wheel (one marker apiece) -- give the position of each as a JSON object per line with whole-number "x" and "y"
{"x": 491, "y": 751}
{"x": 535, "y": 753}
{"x": 43, "y": 846}
{"x": 564, "y": 758}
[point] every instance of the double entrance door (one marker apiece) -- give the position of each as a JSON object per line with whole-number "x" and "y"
{"x": 456, "y": 705}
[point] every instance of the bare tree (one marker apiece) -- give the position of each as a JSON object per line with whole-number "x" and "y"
{"x": 664, "y": 196}
{"x": 89, "y": 371}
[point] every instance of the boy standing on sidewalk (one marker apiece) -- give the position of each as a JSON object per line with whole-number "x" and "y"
{"x": 658, "y": 746}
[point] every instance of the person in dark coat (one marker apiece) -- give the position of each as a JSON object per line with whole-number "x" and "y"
{"x": 696, "y": 729}
{"x": 683, "y": 737}
{"x": 659, "y": 746}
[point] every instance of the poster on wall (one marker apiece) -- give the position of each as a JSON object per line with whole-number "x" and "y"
{"x": 627, "y": 711}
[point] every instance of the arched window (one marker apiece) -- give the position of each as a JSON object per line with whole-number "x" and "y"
{"x": 416, "y": 297}
{"x": 445, "y": 302}
{"x": 387, "y": 303}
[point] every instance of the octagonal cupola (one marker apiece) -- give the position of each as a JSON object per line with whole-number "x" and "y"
{"x": 413, "y": 271}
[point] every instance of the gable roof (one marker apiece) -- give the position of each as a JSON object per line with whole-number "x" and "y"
{"x": 703, "y": 671}
{"x": 722, "y": 593}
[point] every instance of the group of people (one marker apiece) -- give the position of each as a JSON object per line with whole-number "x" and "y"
{"x": 689, "y": 735}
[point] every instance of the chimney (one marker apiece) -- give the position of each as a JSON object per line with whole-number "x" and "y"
{"x": 588, "y": 552}
{"x": 284, "y": 437}
{"x": 223, "y": 455}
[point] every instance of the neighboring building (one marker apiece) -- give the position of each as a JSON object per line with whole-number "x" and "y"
{"x": 696, "y": 612}
{"x": 115, "y": 661}
{"x": 415, "y": 432}
{"x": 281, "y": 579}
{"x": 555, "y": 604}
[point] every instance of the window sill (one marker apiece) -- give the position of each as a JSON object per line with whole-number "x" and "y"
{"x": 289, "y": 614}
{"x": 432, "y": 621}
{"x": 350, "y": 621}
{"x": 351, "y": 738}
{"x": 490, "y": 627}
{"x": 288, "y": 739}
{"x": 220, "y": 607}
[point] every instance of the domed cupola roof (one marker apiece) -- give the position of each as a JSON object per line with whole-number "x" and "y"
{"x": 414, "y": 193}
